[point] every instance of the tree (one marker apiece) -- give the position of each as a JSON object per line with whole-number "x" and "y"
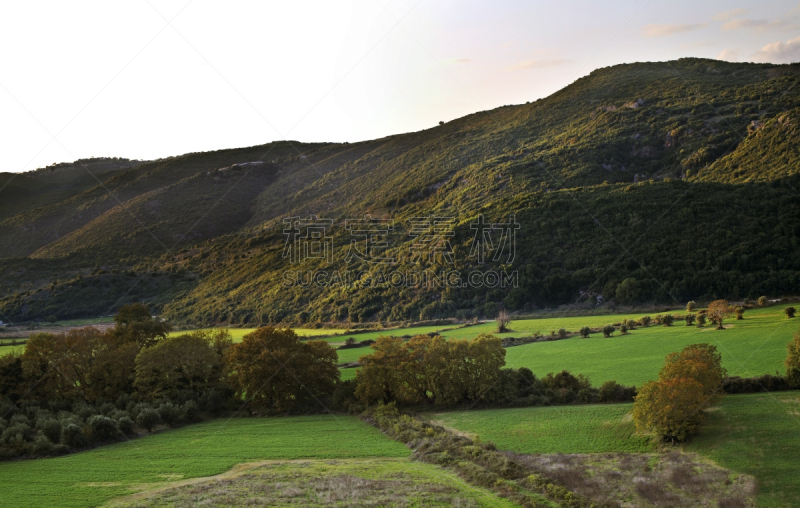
{"x": 628, "y": 291}
{"x": 134, "y": 323}
{"x": 608, "y": 330}
{"x": 739, "y": 313}
{"x": 690, "y": 381}
{"x": 503, "y": 319}
{"x": 793, "y": 361}
{"x": 701, "y": 320}
{"x": 274, "y": 371}
{"x": 668, "y": 319}
{"x": 690, "y": 306}
{"x": 762, "y": 301}
{"x": 790, "y": 312}
{"x": 186, "y": 362}
{"x": 645, "y": 321}
{"x": 623, "y": 328}
{"x": 689, "y": 318}
{"x": 585, "y": 331}
{"x": 718, "y": 311}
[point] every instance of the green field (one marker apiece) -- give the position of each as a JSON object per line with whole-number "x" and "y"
{"x": 348, "y": 482}
{"x": 559, "y": 429}
{"x": 92, "y": 477}
{"x": 753, "y": 434}
{"x": 753, "y": 346}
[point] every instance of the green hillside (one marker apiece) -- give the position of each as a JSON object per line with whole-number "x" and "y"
{"x": 649, "y": 182}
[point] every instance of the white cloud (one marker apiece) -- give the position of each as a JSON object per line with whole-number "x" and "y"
{"x": 730, "y": 55}
{"x": 726, "y": 15}
{"x": 659, "y": 30}
{"x": 759, "y": 25}
{"x": 779, "y": 52}
{"x": 540, "y": 64}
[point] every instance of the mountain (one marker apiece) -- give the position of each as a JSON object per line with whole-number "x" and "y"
{"x": 639, "y": 182}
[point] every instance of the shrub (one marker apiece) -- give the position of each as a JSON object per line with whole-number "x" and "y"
{"x": 790, "y": 312}
{"x": 562, "y": 333}
{"x": 190, "y": 411}
{"x": 503, "y": 319}
{"x": 51, "y": 428}
{"x": 42, "y": 446}
{"x": 125, "y": 425}
{"x": 103, "y": 428}
{"x": 659, "y": 319}
{"x": 668, "y": 319}
{"x": 701, "y": 320}
{"x": 168, "y": 413}
{"x": 623, "y": 328}
{"x": 148, "y": 418}
{"x": 645, "y": 321}
{"x": 762, "y": 301}
{"x": 608, "y": 330}
{"x": 739, "y": 313}
{"x": 585, "y": 331}
{"x": 690, "y": 306}
{"x": 72, "y": 436}
{"x": 611, "y": 391}
{"x": 793, "y": 361}
{"x": 689, "y": 318}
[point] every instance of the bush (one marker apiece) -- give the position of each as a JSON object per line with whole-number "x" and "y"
{"x": 701, "y": 320}
{"x": 42, "y": 446}
{"x": 645, "y": 321}
{"x": 125, "y": 425}
{"x": 51, "y": 428}
{"x": 103, "y": 428}
{"x": 623, "y": 328}
{"x": 562, "y": 333}
{"x": 611, "y": 391}
{"x": 585, "y": 331}
{"x": 690, "y": 306}
{"x": 190, "y": 412}
{"x": 689, "y": 318}
{"x": 668, "y": 319}
{"x": 168, "y": 413}
{"x": 72, "y": 436}
{"x": 608, "y": 330}
{"x": 739, "y": 313}
{"x": 790, "y": 312}
{"x": 762, "y": 301}
{"x": 147, "y": 419}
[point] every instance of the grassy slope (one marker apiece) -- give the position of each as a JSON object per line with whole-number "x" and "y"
{"x": 92, "y": 477}
{"x": 753, "y": 434}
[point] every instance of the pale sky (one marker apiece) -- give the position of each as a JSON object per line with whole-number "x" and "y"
{"x": 147, "y": 79}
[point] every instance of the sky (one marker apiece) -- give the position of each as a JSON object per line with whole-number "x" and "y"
{"x": 147, "y": 79}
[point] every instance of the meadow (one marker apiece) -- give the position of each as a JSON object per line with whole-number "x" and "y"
{"x": 749, "y": 434}
{"x": 750, "y": 347}
{"x": 93, "y": 477}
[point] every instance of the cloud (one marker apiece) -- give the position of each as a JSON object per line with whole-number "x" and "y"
{"x": 659, "y": 30}
{"x": 759, "y": 25}
{"x": 779, "y": 52}
{"x": 726, "y": 15}
{"x": 540, "y": 64}
{"x": 730, "y": 55}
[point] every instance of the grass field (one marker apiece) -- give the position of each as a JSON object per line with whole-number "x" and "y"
{"x": 349, "y": 482}
{"x": 754, "y": 434}
{"x": 557, "y": 429}
{"x": 750, "y": 347}
{"x": 92, "y": 477}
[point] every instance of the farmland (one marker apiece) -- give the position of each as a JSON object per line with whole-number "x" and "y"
{"x": 753, "y": 346}
{"x": 745, "y": 433}
{"x": 95, "y": 476}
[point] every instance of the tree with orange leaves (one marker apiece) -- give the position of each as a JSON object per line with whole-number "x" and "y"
{"x": 718, "y": 311}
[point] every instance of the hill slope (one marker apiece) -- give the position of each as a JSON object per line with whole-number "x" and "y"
{"x": 592, "y": 173}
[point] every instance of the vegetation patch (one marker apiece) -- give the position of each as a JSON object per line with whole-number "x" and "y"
{"x": 334, "y": 483}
